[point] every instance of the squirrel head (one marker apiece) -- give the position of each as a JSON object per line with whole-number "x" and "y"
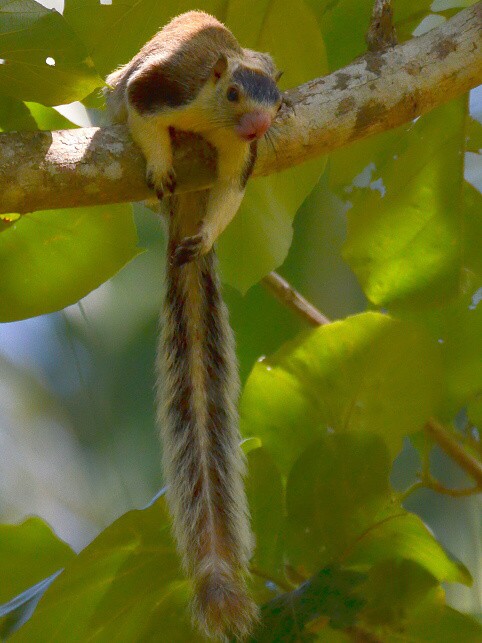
{"x": 246, "y": 95}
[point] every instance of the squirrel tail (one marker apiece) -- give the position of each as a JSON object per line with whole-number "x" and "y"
{"x": 202, "y": 459}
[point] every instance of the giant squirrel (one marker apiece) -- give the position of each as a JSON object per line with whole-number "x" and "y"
{"x": 194, "y": 76}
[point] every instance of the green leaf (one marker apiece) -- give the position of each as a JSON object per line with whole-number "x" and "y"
{"x": 403, "y": 536}
{"x": 472, "y": 257}
{"x": 53, "y": 258}
{"x": 366, "y": 373}
{"x": 15, "y": 115}
{"x": 344, "y": 24}
{"x": 266, "y": 502}
{"x": 18, "y": 610}
{"x": 129, "y": 24}
{"x": 404, "y": 229}
{"x": 44, "y": 60}
{"x": 335, "y": 491}
{"x": 48, "y": 118}
{"x": 126, "y": 586}
{"x": 474, "y": 411}
{"x": 331, "y": 593}
{"x": 394, "y": 588}
{"x": 258, "y": 239}
{"x": 29, "y": 552}
{"x": 436, "y": 623}
{"x": 456, "y": 327}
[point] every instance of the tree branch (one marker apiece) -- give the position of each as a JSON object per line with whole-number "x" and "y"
{"x": 377, "y": 92}
{"x": 454, "y": 450}
{"x": 291, "y": 298}
{"x": 381, "y": 33}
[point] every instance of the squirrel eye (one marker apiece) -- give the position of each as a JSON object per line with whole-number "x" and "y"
{"x": 232, "y": 94}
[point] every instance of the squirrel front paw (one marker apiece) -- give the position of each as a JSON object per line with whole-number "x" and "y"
{"x": 163, "y": 183}
{"x": 190, "y": 249}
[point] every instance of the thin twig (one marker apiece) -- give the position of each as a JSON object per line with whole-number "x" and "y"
{"x": 408, "y": 492}
{"x": 381, "y": 34}
{"x": 437, "y": 486}
{"x": 453, "y": 449}
{"x": 292, "y": 299}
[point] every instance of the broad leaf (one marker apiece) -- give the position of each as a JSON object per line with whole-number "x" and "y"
{"x": 15, "y": 115}
{"x": 53, "y": 258}
{"x": 335, "y": 492}
{"x": 126, "y": 586}
{"x": 403, "y": 536}
{"x": 330, "y": 594}
{"x": 29, "y": 552}
{"x": 266, "y": 502}
{"x": 258, "y": 239}
{"x": 42, "y": 59}
{"x": 366, "y": 373}
{"x": 404, "y": 229}
{"x": 442, "y": 623}
{"x": 457, "y": 328}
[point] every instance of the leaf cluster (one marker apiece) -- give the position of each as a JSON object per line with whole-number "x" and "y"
{"x": 338, "y": 557}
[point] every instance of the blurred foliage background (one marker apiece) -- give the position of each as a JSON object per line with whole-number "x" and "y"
{"x": 78, "y": 444}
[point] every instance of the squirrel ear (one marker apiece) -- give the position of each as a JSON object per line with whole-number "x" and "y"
{"x": 278, "y": 75}
{"x": 220, "y": 67}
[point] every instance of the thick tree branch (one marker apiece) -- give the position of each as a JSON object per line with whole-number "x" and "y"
{"x": 377, "y": 92}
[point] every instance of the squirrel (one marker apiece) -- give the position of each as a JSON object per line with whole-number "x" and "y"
{"x": 194, "y": 76}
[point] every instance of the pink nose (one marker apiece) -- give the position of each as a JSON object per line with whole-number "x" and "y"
{"x": 253, "y": 125}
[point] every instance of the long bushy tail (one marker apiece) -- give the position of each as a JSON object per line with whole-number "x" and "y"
{"x": 203, "y": 462}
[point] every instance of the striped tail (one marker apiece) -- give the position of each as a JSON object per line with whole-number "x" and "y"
{"x": 203, "y": 462}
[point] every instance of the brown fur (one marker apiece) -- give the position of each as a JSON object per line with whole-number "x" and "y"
{"x": 180, "y": 79}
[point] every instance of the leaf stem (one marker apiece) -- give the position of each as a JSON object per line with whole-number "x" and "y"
{"x": 456, "y": 451}
{"x": 291, "y": 298}
{"x": 437, "y": 486}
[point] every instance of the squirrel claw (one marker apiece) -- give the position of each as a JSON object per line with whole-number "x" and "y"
{"x": 164, "y": 186}
{"x": 189, "y": 249}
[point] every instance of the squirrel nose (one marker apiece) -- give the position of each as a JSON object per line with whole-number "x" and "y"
{"x": 253, "y": 125}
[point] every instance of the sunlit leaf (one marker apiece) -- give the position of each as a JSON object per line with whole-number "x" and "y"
{"x": 53, "y": 258}
{"x": 29, "y": 552}
{"x": 366, "y": 373}
{"x": 405, "y": 226}
{"x": 266, "y": 502}
{"x": 403, "y": 536}
{"x": 42, "y": 59}
{"x": 258, "y": 239}
{"x": 457, "y": 328}
{"x": 125, "y": 586}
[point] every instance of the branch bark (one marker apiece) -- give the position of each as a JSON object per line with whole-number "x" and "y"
{"x": 378, "y": 91}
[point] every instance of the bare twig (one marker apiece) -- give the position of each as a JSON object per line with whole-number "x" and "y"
{"x": 375, "y": 93}
{"x": 291, "y": 298}
{"x": 453, "y": 449}
{"x": 381, "y": 33}
{"x": 437, "y": 486}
